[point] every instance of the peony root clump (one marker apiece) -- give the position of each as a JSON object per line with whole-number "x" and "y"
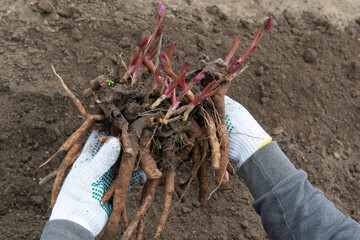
{"x": 163, "y": 118}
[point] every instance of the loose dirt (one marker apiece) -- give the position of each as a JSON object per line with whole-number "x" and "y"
{"x": 302, "y": 84}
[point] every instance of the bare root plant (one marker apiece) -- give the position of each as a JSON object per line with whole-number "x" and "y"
{"x": 163, "y": 119}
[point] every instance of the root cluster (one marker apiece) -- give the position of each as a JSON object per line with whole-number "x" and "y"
{"x": 162, "y": 120}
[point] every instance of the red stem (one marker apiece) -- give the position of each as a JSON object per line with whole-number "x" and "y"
{"x": 235, "y": 45}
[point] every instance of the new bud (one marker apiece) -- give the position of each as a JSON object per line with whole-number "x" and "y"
{"x": 159, "y": 30}
{"x": 234, "y": 67}
{"x": 143, "y": 42}
{"x": 166, "y": 65}
{"x": 171, "y": 49}
{"x": 164, "y": 59}
{"x": 198, "y": 77}
{"x": 269, "y": 24}
{"x": 160, "y": 12}
{"x": 186, "y": 65}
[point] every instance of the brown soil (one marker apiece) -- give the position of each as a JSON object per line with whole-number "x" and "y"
{"x": 303, "y": 85}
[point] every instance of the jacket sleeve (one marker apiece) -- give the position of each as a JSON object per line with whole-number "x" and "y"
{"x": 64, "y": 229}
{"x": 289, "y": 206}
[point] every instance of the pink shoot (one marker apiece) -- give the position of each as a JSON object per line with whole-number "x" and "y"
{"x": 159, "y": 30}
{"x": 256, "y": 36}
{"x": 235, "y": 45}
{"x": 171, "y": 49}
{"x": 183, "y": 70}
{"x": 137, "y": 69}
{"x": 166, "y": 66}
{"x": 149, "y": 64}
{"x": 158, "y": 80}
{"x": 165, "y": 63}
{"x": 177, "y": 100}
{"x": 160, "y": 13}
{"x": 206, "y": 93}
{"x": 269, "y": 24}
{"x": 157, "y": 37}
{"x": 182, "y": 84}
{"x": 248, "y": 52}
{"x": 259, "y": 34}
{"x": 143, "y": 42}
{"x": 234, "y": 67}
{"x": 195, "y": 80}
{"x": 134, "y": 58}
{"x": 152, "y": 54}
{"x": 174, "y": 97}
{"x": 179, "y": 79}
{"x": 160, "y": 16}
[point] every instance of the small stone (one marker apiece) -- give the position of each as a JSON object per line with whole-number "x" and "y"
{"x": 336, "y": 155}
{"x": 66, "y": 12}
{"x": 278, "y": 91}
{"x": 216, "y": 29}
{"x": 277, "y": 130}
{"x": 218, "y": 42}
{"x": 45, "y": 7}
{"x": 310, "y": 55}
{"x": 265, "y": 93}
{"x": 113, "y": 58}
{"x": 312, "y": 136}
{"x": 249, "y": 235}
{"x": 265, "y": 100}
{"x": 259, "y": 71}
{"x": 32, "y": 50}
{"x": 125, "y": 42}
{"x": 223, "y": 16}
{"x": 37, "y": 200}
{"x": 196, "y": 204}
{"x": 185, "y": 209}
{"x": 17, "y": 35}
{"x": 244, "y": 224}
{"x": 283, "y": 76}
{"x": 212, "y": 9}
{"x": 76, "y": 34}
{"x": 36, "y": 146}
{"x": 21, "y": 218}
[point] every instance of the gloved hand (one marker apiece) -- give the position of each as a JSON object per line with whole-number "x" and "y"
{"x": 245, "y": 134}
{"x": 90, "y": 177}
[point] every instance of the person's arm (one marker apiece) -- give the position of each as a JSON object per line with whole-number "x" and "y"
{"x": 77, "y": 213}
{"x": 289, "y": 206}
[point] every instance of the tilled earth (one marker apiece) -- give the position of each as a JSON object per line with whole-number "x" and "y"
{"x": 302, "y": 84}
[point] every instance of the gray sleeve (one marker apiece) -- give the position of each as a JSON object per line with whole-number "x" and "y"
{"x": 289, "y": 206}
{"x": 64, "y": 229}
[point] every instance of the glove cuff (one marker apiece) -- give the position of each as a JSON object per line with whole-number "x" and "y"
{"x": 88, "y": 214}
{"x": 244, "y": 146}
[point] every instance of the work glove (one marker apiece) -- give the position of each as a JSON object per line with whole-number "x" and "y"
{"x": 245, "y": 134}
{"x": 90, "y": 177}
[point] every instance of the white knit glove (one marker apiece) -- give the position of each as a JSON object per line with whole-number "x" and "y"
{"x": 245, "y": 134}
{"x": 90, "y": 177}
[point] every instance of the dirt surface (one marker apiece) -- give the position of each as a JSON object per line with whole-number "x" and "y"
{"x": 302, "y": 84}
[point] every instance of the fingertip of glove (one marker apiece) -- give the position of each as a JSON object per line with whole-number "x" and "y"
{"x": 113, "y": 142}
